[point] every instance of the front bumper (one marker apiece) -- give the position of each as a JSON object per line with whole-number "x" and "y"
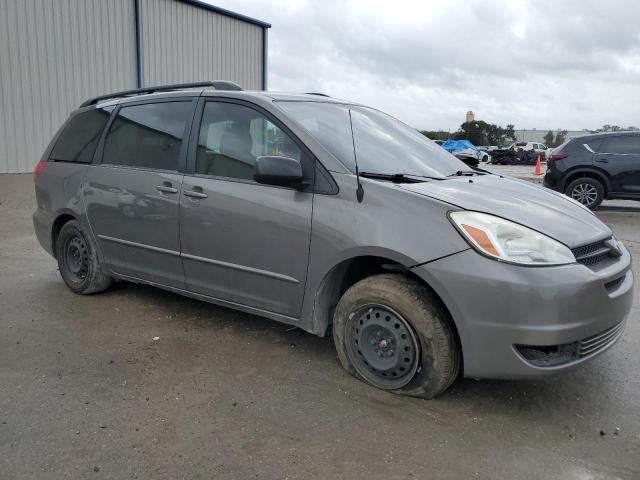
{"x": 497, "y": 306}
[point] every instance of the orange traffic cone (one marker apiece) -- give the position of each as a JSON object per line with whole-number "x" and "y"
{"x": 538, "y": 167}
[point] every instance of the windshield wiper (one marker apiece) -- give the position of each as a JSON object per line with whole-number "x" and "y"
{"x": 469, "y": 173}
{"x": 398, "y": 177}
{"x": 463, "y": 173}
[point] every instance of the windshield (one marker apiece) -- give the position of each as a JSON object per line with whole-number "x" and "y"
{"x": 382, "y": 143}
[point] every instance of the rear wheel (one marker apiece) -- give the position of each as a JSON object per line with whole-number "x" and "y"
{"x": 78, "y": 262}
{"x": 391, "y": 332}
{"x": 588, "y": 191}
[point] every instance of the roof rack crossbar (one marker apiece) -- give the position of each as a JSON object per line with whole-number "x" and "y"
{"x": 217, "y": 84}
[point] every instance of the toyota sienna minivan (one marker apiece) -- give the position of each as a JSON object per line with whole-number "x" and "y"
{"x": 333, "y": 217}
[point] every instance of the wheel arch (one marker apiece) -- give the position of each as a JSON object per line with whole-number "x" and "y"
{"x": 350, "y": 271}
{"x": 588, "y": 173}
{"x": 63, "y": 218}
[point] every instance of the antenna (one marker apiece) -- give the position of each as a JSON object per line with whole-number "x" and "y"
{"x": 360, "y": 190}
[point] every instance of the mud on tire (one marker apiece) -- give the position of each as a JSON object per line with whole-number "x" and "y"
{"x": 415, "y": 317}
{"x": 77, "y": 260}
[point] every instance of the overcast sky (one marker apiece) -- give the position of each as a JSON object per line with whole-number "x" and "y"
{"x": 569, "y": 64}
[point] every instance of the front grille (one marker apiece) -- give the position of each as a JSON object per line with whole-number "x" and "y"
{"x": 553, "y": 355}
{"x": 595, "y": 343}
{"x": 593, "y": 253}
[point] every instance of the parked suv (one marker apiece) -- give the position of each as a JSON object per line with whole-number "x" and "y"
{"x": 332, "y": 217}
{"x": 592, "y": 168}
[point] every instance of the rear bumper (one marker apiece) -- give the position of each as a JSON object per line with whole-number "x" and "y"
{"x": 553, "y": 180}
{"x": 42, "y": 227}
{"x": 498, "y": 306}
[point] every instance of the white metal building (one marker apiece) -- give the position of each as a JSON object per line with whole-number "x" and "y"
{"x": 537, "y": 135}
{"x": 56, "y": 53}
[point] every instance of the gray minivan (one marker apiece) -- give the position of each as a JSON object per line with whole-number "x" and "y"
{"x": 331, "y": 216}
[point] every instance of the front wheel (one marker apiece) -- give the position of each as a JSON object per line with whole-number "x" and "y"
{"x": 588, "y": 191}
{"x": 78, "y": 262}
{"x": 392, "y": 332}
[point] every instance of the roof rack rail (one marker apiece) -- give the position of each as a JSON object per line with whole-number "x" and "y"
{"x": 217, "y": 84}
{"x": 318, "y": 93}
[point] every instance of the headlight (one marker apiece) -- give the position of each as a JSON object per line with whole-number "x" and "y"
{"x": 509, "y": 241}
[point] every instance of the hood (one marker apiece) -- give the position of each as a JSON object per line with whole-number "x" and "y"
{"x": 522, "y": 202}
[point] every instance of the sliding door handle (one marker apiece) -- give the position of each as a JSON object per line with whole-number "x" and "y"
{"x": 166, "y": 189}
{"x": 195, "y": 194}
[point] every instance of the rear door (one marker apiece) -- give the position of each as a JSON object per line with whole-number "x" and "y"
{"x": 243, "y": 242}
{"x": 622, "y": 159}
{"x": 132, "y": 195}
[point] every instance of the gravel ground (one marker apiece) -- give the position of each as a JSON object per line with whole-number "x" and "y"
{"x": 87, "y": 393}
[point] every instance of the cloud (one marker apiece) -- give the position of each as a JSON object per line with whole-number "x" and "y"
{"x": 537, "y": 64}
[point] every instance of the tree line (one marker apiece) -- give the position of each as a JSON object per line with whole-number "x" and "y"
{"x": 479, "y": 132}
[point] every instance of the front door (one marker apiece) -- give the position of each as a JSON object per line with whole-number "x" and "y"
{"x": 132, "y": 196}
{"x": 243, "y": 242}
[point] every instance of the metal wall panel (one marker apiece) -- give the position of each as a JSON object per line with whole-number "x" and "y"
{"x": 183, "y": 43}
{"x": 54, "y": 55}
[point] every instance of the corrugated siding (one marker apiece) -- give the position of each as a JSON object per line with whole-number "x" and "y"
{"x": 181, "y": 43}
{"x": 54, "y": 55}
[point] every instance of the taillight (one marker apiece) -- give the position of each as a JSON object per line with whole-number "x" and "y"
{"x": 557, "y": 156}
{"x": 39, "y": 169}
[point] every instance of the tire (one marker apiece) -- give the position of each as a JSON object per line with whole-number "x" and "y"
{"x": 411, "y": 320}
{"x": 586, "y": 190}
{"x": 77, "y": 261}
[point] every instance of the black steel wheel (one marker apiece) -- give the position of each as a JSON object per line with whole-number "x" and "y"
{"x": 76, "y": 258}
{"x": 78, "y": 262}
{"x": 382, "y": 346}
{"x": 392, "y": 332}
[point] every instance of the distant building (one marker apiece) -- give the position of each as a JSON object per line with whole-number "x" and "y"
{"x": 470, "y": 117}
{"x": 537, "y": 135}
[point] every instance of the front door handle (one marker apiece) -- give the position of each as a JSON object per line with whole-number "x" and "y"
{"x": 166, "y": 189}
{"x": 195, "y": 193}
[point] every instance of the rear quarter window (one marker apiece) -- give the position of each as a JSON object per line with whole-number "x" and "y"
{"x": 628, "y": 144}
{"x": 78, "y": 140}
{"x": 595, "y": 144}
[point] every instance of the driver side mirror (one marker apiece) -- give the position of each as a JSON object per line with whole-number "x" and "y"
{"x": 279, "y": 171}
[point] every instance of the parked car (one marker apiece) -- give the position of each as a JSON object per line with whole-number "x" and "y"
{"x": 592, "y": 168}
{"x": 332, "y": 217}
{"x": 489, "y": 148}
{"x": 464, "y": 150}
{"x": 519, "y": 153}
{"x": 485, "y": 156}
{"x": 538, "y": 148}
{"x": 504, "y": 156}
